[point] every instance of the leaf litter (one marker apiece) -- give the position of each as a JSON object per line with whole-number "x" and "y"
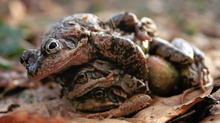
{"x": 45, "y": 104}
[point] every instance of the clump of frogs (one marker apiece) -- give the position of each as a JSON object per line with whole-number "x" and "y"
{"x": 112, "y": 65}
{"x": 102, "y": 86}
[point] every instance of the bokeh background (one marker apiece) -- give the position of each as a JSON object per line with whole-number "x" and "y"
{"x": 23, "y": 22}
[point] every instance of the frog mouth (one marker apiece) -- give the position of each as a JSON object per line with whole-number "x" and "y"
{"x": 100, "y": 99}
{"x": 96, "y": 107}
{"x": 40, "y": 66}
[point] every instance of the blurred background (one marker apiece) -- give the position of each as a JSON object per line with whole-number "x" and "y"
{"x": 23, "y": 22}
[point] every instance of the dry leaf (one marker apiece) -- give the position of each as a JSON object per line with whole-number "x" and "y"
{"x": 46, "y": 101}
{"x": 215, "y": 118}
{"x": 164, "y": 109}
{"x": 12, "y": 79}
{"x": 26, "y": 117}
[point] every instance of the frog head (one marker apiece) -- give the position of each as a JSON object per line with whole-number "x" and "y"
{"x": 101, "y": 86}
{"x": 62, "y": 46}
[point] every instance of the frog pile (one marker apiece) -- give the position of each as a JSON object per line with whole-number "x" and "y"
{"x": 113, "y": 68}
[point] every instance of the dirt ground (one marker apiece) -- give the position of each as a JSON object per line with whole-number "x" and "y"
{"x": 23, "y": 22}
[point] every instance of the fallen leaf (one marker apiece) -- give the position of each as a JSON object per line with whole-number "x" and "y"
{"x": 13, "y": 81}
{"x": 214, "y": 118}
{"x": 164, "y": 109}
{"x": 26, "y": 117}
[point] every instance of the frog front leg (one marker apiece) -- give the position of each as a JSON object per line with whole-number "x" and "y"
{"x": 122, "y": 51}
{"x": 195, "y": 75}
{"x": 130, "y": 106}
{"x": 178, "y": 51}
{"x": 129, "y": 23}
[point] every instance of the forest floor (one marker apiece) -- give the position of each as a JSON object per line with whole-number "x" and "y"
{"x": 23, "y": 22}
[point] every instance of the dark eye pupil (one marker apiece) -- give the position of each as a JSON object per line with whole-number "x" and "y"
{"x": 81, "y": 76}
{"x": 53, "y": 45}
{"x": 98, "y": 94}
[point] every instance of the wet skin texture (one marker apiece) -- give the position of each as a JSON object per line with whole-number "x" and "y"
{"x": 122, "y": 40}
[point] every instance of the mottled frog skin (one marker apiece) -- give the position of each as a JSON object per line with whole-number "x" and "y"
{"x": 115, "y": 63}
{"x": 76, "y": 40}
{"x": 185, "y": 56}
{"x": 104, "y": 87}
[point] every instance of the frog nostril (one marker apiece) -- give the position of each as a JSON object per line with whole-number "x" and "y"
{"x": 22, "y": 60}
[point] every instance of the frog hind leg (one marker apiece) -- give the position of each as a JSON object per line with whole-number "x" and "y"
{"x": 198, "y": 63}
{"x": 204, "y": 75}
{"x": 129, "y": 23}
{"x": 130, "y": 106}
{"x": 183, "y": 54}
{"x": 195, "y": 74}
{"x": 124, "y": 21}
{"x": 171, "y": 51}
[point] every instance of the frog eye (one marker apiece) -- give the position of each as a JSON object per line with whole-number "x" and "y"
{"x": 52, "y": 46}
{"x": 82, "y": 78}
{"x": 99, "y": 94}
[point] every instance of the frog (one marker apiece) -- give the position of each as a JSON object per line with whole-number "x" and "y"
{"x": 77, "y": 40}
{"x": 189, "y": 59}
{"x": 128, "y": 23}
{"x": 103, "y": 89}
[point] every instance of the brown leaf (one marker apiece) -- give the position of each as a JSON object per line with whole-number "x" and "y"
{"x": 14, "y": 78}
{"x": 26, "y": 117}
{"x": 45, "y": 101}
{"x": 164, "y": 109}
{"x": 215, "y": 118}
